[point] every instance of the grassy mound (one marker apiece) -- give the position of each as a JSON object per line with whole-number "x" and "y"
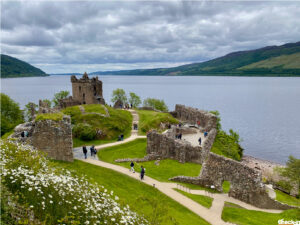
{"x": 94, "y": 109}
{"x": 201, "y": 199}
{"x": 137, "y": 149}
{"x": 152, "y": 120}
{"x": 227, "y": 146}
{"x": 143, "y": 199}
{"x": 50, "y": 116}
{"x": 235, "y": 214}
{"x": 287, "y": 199}
{"x": 109, "y": 128}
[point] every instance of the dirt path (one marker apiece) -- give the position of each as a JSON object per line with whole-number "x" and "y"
{"x": 212, "y": 215}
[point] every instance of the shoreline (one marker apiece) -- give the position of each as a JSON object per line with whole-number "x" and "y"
{"x": 266, "y": 167}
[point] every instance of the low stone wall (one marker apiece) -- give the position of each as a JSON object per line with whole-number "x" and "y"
{"x": 54, "y": 138}
{"x": 246, "y": 184}
{"x": 207, "y": 120}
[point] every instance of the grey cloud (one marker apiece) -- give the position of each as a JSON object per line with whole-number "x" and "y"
{"x": 141, "y": 33}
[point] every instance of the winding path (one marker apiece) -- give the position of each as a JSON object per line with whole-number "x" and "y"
{"x": 211, "y": 215}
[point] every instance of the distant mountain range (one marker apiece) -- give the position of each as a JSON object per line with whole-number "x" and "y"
{"x": 281, "y": 60}
{"x": 13, "y": 67}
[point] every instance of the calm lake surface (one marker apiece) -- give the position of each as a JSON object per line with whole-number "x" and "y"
{"x": 264, "y": 111}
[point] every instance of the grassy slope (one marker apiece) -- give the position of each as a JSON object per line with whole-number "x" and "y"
{"x": 235, "y": 214}
{"x": 286, "y": 61}
{"x": 287, "y": 199}
{"x": 137, "y": 149}
{"x": 151, "y": 120}
{"x": 133, "y": 192}
{"x": 201, "y": 199}
{"x": 13, "y": 67}
{"x": 117, "y": 123}
{"x": 225, "y": 145}
{"x": 229, "y": 64}
{"x": 94, "y": 108}
{"x": 50, "y": 116}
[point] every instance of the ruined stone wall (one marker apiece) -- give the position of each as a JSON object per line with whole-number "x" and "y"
{"x": 165, "y": 146}
{"x": 207, "y": 120}
{"x": 246, "y": 184}
{"x": 67, "y": 102}
{"x": 54, "y": 138}
{"x": 87, "y": 91}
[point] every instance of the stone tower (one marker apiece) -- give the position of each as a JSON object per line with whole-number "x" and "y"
{"x": 86, "y": 90}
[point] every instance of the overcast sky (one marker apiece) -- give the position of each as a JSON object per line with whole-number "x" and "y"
{"x": 79, "y": 36}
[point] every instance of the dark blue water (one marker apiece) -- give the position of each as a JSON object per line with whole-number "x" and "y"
{"x": 264, "y": 111}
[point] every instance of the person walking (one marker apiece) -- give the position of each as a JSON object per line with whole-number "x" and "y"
{"x": 199, "y": 140}
{"x": 93, "y": 151}
{"x": 142, "y": 172}
{"x": 205, "y": 134}
{"x": 84, "y": 151}
{"x": 132, "y": 167}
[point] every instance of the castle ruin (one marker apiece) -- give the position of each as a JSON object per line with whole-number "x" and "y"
{"x": 84, "y": 91}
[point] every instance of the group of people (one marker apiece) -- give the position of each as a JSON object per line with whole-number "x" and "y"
{"x": 121, "y": 137}
{"x": 142, "y": 174}
{"x": 178, "y": 136}
{"x": 92, "y": 149}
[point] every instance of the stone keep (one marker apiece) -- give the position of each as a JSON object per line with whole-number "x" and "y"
{"x": 54, "y": 138}
{"x": 86, "y": 90}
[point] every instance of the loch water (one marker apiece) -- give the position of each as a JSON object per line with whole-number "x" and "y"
{"x": 265, "y": 111}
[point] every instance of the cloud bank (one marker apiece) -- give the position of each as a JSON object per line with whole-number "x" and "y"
{"x": 89, "y": 36}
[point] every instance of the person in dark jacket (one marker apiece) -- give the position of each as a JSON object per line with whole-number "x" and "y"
{"x": 84, "y": 151}
{"x": 132, "y": 167}
{"x": 199, "y": 140}
{"x": 93, "y": 151}
{"x": 142, "y": 172}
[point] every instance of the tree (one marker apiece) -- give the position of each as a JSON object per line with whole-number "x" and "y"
{"x": 119, "y": 94}
{"x": 30, "y": 110}
{"x": 11, "y": 114}
{"x": 60, "y": 95}
{"x": 156, "y": 104}
{"x": 292, "y": 170}
{"x": 134, "y": 100}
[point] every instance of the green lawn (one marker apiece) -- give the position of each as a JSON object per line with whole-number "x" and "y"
{"x": 97, "y": 108}
{"x": 119, "y": 122}
{"x": 137, "y": 149}
{"x": 140, "y": 197}
{"x": 226, "y": 186}
{"x": 151, "y": 120}
{"x": 235, "y": 214}
{"x": 287, "y": 199}
{"x": 201, "y": 199}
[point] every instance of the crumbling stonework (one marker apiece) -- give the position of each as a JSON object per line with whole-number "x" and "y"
{"x": 84, "y": 91}
{"x": 206, "y": 120}
{"x": 165, "y": 147}
{"x": 87, "y": 91}
{"x": 45, "y": 108}
{"x": 54, "y": 138}
{"x": 246, "y": 184}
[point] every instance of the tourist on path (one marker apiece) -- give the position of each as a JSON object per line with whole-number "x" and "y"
{"x": 142, "y": 172}
{"x": 199, "y": 140}
{"x": 122, "y": 137}
{"x": 132, "y": 167}
{"x": 93, "y": 151}
{"x": 180, "y": 136}
{"x": 205, "y": 134}
{"x": 84, "y": 151}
